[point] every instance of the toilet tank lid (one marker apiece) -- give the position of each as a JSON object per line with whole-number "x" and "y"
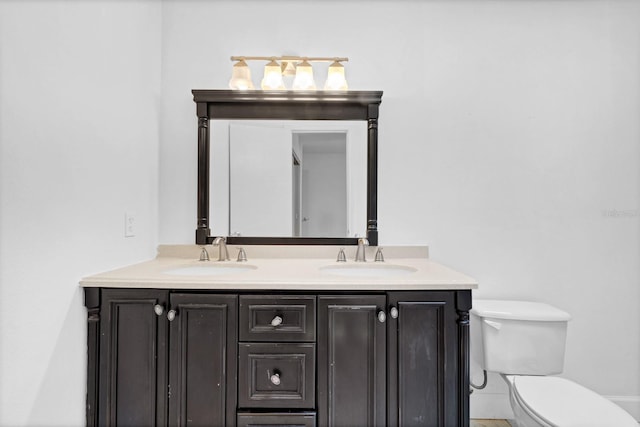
{"x": 518, "y": 310}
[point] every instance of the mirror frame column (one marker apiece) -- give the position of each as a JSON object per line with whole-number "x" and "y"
{"x": 372, "y": 174}
{"x": 203, "y": 231}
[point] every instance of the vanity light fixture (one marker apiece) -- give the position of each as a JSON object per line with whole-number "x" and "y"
{"x": 335, "y": 77}
{"x": 288, "y": 68}
{"x": 272, "y": 79}
{"x": 241, "y": 76}
{"x": 278, "y": 66}
{"x": 304, "y": 77}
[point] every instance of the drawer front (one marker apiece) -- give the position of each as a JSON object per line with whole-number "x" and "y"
{"x": 276, "y": 375}
{"x": 284, "y": 419}
{"x": 277, "y": 318}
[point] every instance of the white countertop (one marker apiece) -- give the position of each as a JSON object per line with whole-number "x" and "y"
{"x": 285, "y": 268}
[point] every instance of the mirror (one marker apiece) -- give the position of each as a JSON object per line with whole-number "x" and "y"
{"x": 288, "y": 178}
{"x": 287, "y": 167}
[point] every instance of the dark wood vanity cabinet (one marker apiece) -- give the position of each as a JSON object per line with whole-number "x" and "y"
{"x": 427, "y": 364}
{"x": 351, "y": 360}
{"x": 131, "y": 366}
{"x": 161, "y": 358}
{"x": 397, "y": 358}
{"x": 202, "y": 360}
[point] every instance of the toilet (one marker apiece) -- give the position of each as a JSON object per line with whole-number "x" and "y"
{"x": 525, "y": 343}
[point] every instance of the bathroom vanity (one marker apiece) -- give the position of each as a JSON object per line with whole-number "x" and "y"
{"x": 286, "y": 340}
{"x": 291, "y": 337}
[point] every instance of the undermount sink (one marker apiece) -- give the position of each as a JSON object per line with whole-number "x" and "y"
{"x": 210, "y": 270}
{"x": 368, "y": 270}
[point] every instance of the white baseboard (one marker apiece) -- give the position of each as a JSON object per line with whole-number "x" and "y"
{"x": 496, "y": 405}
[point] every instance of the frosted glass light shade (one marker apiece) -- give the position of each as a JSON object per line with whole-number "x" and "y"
{"x": 272, "y": 79}
{"x": 304, "y": 77}
{"x": 241, "y": 77}
{"x": 335, "y": 77}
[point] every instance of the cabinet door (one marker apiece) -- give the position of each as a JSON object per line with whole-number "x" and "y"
{"x": 203, "y": 360}
{"x": 132, "y": 371}
{"x": 351, "y": 361}
{"x": 423, "y": 359}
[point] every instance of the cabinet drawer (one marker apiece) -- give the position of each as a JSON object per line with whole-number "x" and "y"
{"x": 276, "y": 375}
{"x": 284, "y": 419}
{"x": 277, "y": 318}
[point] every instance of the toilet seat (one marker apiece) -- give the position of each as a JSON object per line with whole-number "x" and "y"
{"x": 559, "y": 402}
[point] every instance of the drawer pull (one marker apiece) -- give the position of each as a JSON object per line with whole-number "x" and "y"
{"x": 276, "y": 321}
{"x": 158, "y": 309}
{"x": 275, "y": 378}
{"x": 394, "y": 313}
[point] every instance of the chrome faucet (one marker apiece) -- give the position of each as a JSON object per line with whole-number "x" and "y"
{"x": 221, "y": 243}
{"x": 360, "y": 253}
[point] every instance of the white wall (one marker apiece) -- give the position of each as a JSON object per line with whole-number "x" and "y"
{"x": 508, "y": 130}
{"x": 79, "y": 109}
{"x": 260, "y": 180}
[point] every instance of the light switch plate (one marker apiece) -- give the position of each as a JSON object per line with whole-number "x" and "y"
{"x": 129, "y": 224}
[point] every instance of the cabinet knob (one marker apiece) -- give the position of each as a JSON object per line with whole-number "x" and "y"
{"x": 382, "y": 317}
{"x": 158, "y": 309}
{"x": 171, "y": 314}
{"x": 393, "y": 312}
{"x": 275, "y": 378}
{"x": 276, "y": 321}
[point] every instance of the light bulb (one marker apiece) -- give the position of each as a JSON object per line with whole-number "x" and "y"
{"x": 272, "y": 79}
{"x": 304, "y": 77}
{"x": 241, "y": 76}
{"x": 335, "y": 77}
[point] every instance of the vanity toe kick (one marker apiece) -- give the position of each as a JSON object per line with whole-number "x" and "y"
{"x": 281, "y": 419}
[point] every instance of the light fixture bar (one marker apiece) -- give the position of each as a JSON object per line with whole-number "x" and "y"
{"x": 290, "y": 58}
{"x": 287, "y": 66}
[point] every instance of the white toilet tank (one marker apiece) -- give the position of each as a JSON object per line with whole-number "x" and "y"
{"x": 518, "y": 337}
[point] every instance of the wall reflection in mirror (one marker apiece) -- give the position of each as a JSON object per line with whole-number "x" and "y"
{"x": 288, "y": 178}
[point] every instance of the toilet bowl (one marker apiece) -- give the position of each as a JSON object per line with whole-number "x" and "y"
{"x": 525, "y": 343}
{"x": 557, "y": 402}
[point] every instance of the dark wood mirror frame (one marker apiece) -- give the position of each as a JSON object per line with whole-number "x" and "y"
{"x": 286, "y": 105}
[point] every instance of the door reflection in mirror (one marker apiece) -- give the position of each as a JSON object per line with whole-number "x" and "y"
{"x": 288, "y": 178}
{"x": 323, "y": 183}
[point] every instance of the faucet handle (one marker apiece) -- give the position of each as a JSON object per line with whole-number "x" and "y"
{"x": 341, "y": 256}
{"x": 379, "y": 255}
{"x": 204, "y": 255}
{"x": 242, "y": 255}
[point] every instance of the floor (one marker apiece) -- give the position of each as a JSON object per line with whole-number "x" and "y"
{"x": 490, "y": 423}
